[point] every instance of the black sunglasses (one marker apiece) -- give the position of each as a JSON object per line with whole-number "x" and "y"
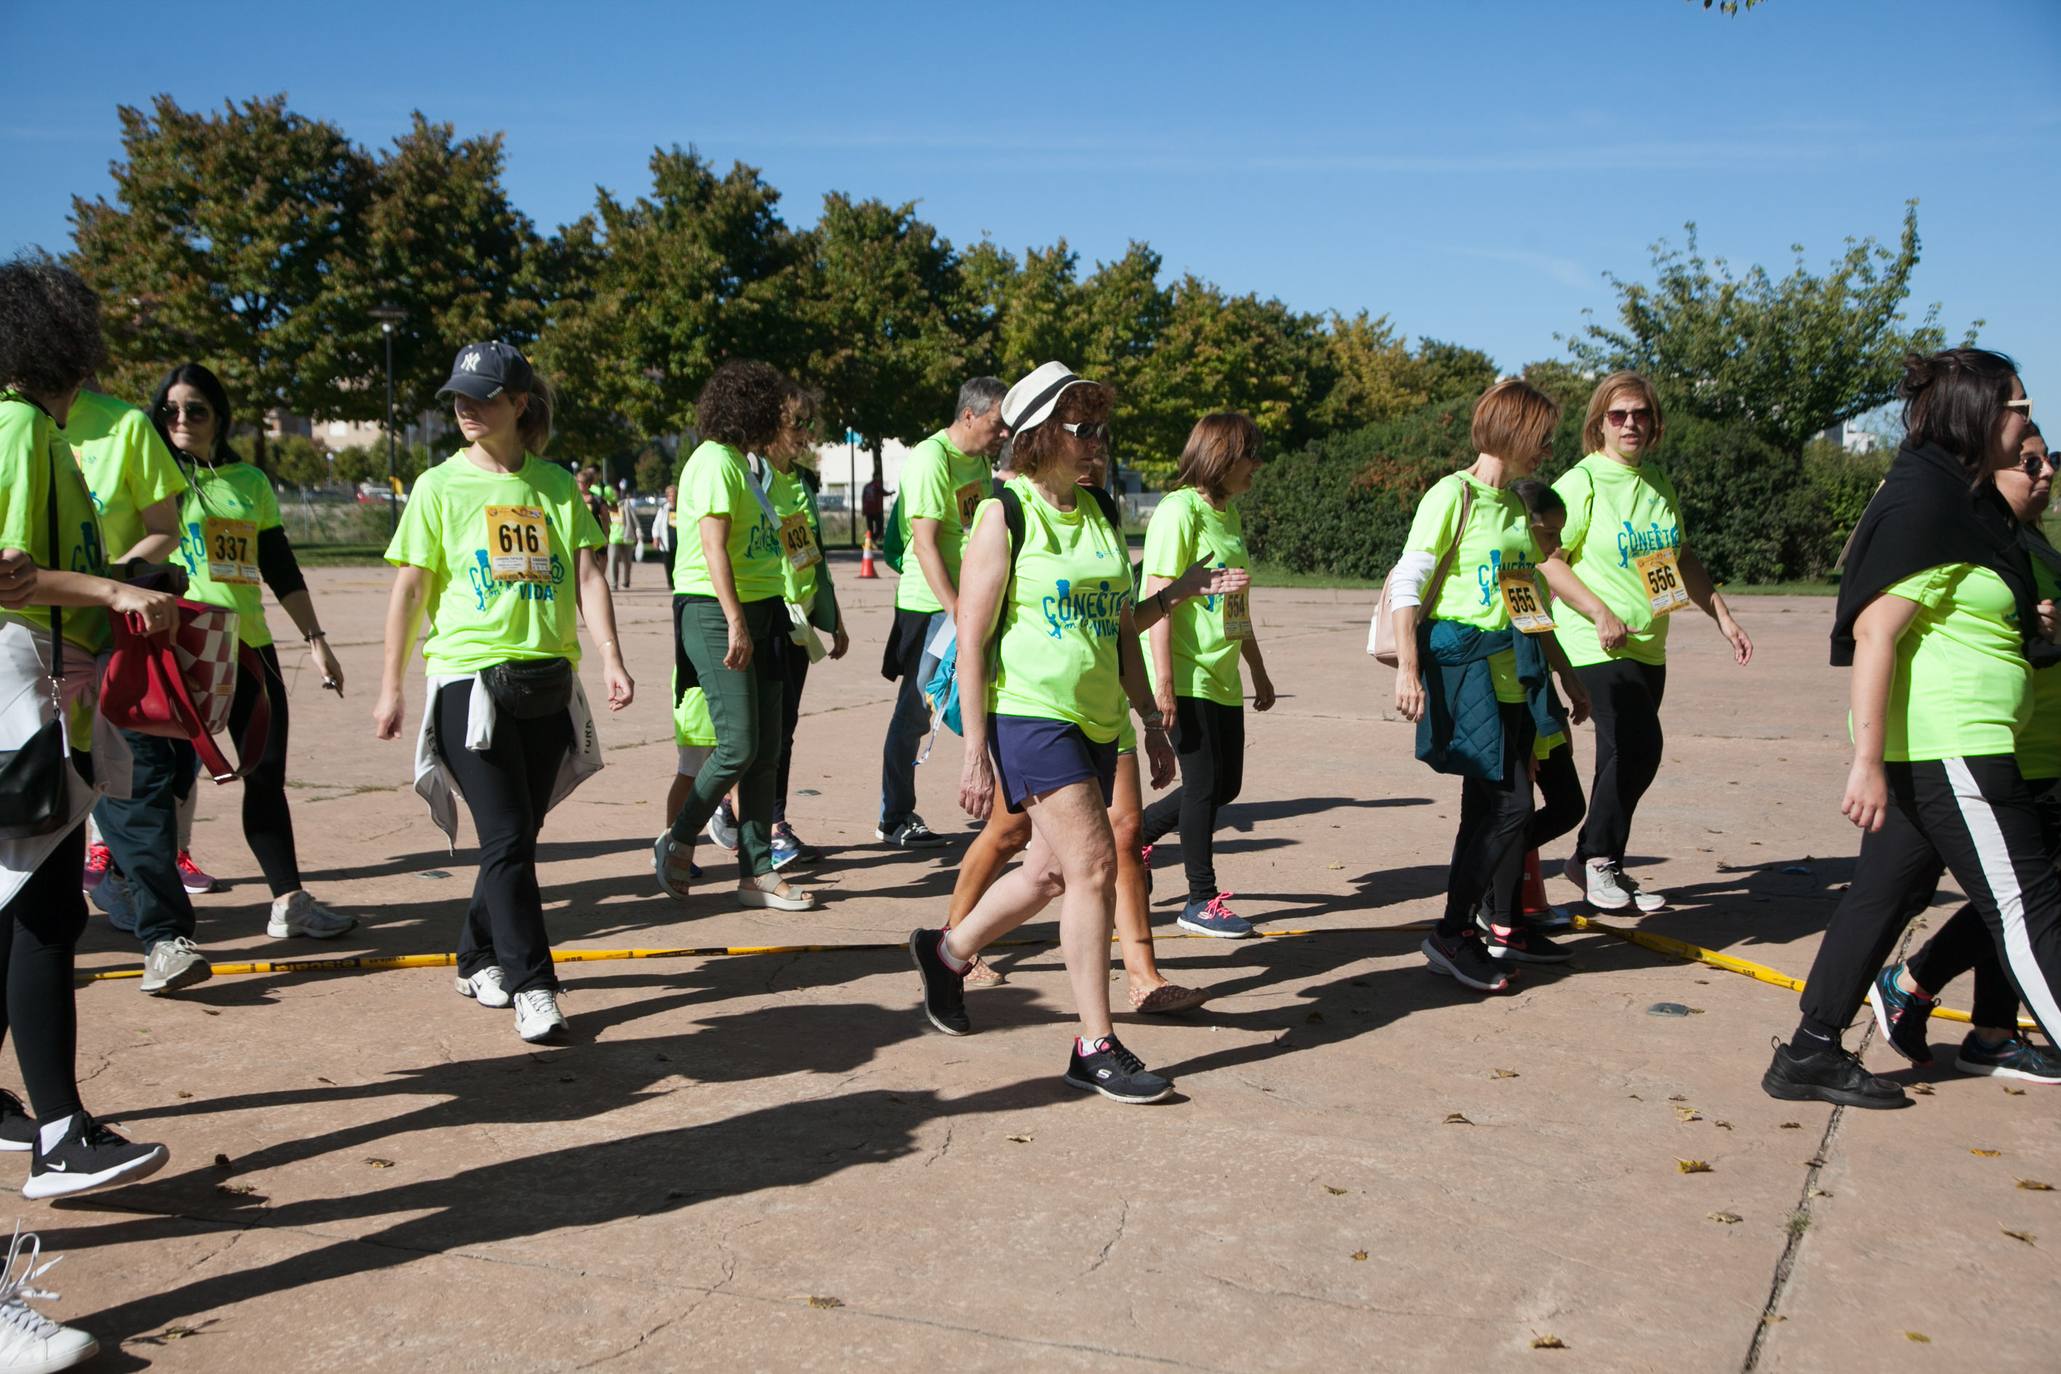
{"x": 193, "y": 410}
{"x": 1087, "y": 431}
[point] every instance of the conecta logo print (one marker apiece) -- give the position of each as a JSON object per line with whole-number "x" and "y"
{"x": 1097, "y": 613}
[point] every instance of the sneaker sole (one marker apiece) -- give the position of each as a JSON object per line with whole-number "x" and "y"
{"x": 193, "y": 891}
{"x": 1810, "y": 1092}
{"x": 465, "y": 989}
{"x": 287, "y": 930}
{"x": 1592, "y": 900}
{"x": 48, "y": 1185}
{"x": 1195, "y": 928}
{"x": 1981, "y": 1070}
{"x": 1512, "y": 956}
{"x": 752, "y": 897}
{"x": 11, "y": 1146}
{"x": 199, "y": 973}
{"x": 1130, "y": 1098}
{"x": 550, "y": 1035}
{"x": 1442, "y": 965}
{"x": 1882, "y": 1024}
{"x": 924, "y": 983}
{"x": 935, "y": 841}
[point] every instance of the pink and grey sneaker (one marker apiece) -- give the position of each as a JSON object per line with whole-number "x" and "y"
{"x": 98, "y": 861}
{"x": 192, "y": 876}
{"x": 1214, "y": 918}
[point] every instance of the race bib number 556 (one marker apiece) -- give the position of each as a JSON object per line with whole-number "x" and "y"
{"x": 1662, "y": 575}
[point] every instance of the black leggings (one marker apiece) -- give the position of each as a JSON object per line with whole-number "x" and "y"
{"x": 267, "y": 823}
{"x": 507, "y": 787}
{"x": 1210, "y": 739}
{"x": 1974, "y": 818}
{"x": 794, "y": 667}
{"x": 1560, "y": 805}
{"x": 1488, "y": 851}
{"x": 1624, "y": 701}
{"x": 43, "y": 924}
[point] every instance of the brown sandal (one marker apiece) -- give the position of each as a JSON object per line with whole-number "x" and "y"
{"x": 982, "y": 974}
{"x": 1166, "y": 999}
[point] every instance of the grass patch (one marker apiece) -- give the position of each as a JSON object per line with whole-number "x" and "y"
{"x": 1812, "y": 588}
{"x": 340, "y": 555}
{"x": 1275, "y": 575}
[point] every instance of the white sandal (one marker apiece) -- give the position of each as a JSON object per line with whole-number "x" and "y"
{"x": 757, "y": 893}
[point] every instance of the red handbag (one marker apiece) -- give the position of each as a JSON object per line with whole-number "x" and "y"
{"x": 180, "y": 684}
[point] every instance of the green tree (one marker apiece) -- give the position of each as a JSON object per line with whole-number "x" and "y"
{"x": 1785, "y": 357}
{"x": 1222, "y": 352}
{"x": 219, "y": 246}
{"x": 576, "y": 351}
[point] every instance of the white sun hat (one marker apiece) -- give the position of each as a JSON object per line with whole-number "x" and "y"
{"x": 1030, "y": 402}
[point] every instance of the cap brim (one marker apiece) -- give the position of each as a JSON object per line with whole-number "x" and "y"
{"x": 1046, "y": 407}
{"x": 465, "y": 384}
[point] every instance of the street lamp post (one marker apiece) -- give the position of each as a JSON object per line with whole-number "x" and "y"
{"x": 388, "y": 316}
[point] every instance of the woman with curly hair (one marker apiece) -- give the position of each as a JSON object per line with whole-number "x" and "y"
{"x": 729, "y": 621}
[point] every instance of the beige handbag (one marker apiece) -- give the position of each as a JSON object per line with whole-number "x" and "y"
{"x": 1381, "y": 630}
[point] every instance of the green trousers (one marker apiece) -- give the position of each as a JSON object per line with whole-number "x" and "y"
{"x": 744, "y": 709}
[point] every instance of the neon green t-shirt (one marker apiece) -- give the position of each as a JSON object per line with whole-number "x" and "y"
{"x": 1616, "y": 514}
{"x": 476, "y": 621}
{"x": 620, "y": 527}
{"x": 1185, "y": 528}
{"x": 126, "y": 464}
{"x": 691, "y": 723}
{"x": 939, "y": 483}
{"x": 714, "y": 482}
{"x": 2039, "y": 743}
{"x": 791, "y": 497}
{"x": 1056, "y": 649}
{"x": 30, "y": 443}
{"x": 1963, "y": 688}
{"x": 221, "y": 560}
{"x": 1498, "y": 536}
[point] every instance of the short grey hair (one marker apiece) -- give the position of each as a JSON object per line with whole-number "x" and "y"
{"x": 980, "y": 395}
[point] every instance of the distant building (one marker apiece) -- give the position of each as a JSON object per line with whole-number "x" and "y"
{"x": 1852, "y": 438}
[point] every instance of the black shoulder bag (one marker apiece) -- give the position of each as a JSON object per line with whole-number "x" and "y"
{"x": 34, "y": 793}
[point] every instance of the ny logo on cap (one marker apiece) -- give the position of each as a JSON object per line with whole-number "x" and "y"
{"x": 470, "y": 362}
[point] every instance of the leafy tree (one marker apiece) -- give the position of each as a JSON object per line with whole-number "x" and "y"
{"x": 1222, "y": 352}
{"x": 220, "y": 245}
{"x": 576, "y": 352}
{"x": 1786, "y": 357}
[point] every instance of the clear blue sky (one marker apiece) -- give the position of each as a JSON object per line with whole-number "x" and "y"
{"x": 1468, "y": 168}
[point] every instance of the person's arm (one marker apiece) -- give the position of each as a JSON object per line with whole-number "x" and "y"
{"x": 282, "y": 573}
{"x": 1200, "y": 580}
{"x": 17, "y": 578}
{"x": 1262, "y": 685}
{"x": 1881, "y": 624}
{"x": 715, "y": 551}
{"x": 403, "y": 618}
{"x": 1160, "y": 640}
{"x": 1566, "y": 585}
{"x": 1409, "y": 676}
{"x": 981, "y": 579}
{"x": 160, "y": 532}
{"x": 923, "y": 541}
{"x": 1159, "y": 750}
{"x": 70, "y": 589}
{"x": 1696, "y": 581}
{"x": 1577, "y": 691}
{"x": 598, "y": 604}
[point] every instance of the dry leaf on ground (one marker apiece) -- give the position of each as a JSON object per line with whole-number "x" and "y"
{"x": 2033, "y": 1185}
{"x": 825, "y": 1304}
{"x": 1548, "y": 1343}
{"x": 1359, "y": 1255}
{"x": 1728, "y": 1218}
{"x": 1457, "y": 1119}
{"x": 1693, "y": 1166}
{"x": 2028, "y": 1237}
{"x": 1981, "y": 1153}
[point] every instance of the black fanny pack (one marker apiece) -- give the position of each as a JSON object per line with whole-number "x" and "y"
{"x": 530, "y": 688}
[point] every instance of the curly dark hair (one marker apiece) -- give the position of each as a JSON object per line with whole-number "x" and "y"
{"x": 49, "y": 326}
{"x": 740, "y": 405}
{"x": 1034, "y": 447}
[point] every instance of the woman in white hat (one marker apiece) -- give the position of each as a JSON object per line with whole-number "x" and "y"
{"x": 1045, "y": 602}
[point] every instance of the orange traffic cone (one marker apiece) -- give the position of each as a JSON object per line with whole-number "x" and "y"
{"x": 866, "y": 558}
{"x": 1534, "y": 901}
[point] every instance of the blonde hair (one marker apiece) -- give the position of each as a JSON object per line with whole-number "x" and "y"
{"x": 1513, "y": 420}
{"x": 533, "y": 426}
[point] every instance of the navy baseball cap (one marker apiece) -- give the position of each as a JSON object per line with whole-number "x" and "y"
{"x": 485, "y": 370}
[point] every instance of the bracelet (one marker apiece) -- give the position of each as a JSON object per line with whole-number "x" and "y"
{"x": 1153, "y": 720}
{"x": 1166, "y": 608}
{"x": 312, "y": 636}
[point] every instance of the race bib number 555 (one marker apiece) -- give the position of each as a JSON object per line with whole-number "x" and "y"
{"x": 1521, "y": 599}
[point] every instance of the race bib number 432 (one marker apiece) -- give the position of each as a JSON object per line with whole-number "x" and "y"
{"x": 1662, "y": 575}
{"x": 1521, "y": 599}
{"x": 518, "y": 544}
{"x": 232, "y": 549}
{"x": 798, "y": 542}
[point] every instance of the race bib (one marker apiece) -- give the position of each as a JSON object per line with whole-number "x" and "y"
{"x": 1521, "y": 599}
{"x": 1663, "y": 578}
{"x": 232, "y": 548}
{"x": 798, "y": 542}
{"x": 518, "y": 544}
{"x": 969, "y": 497}
{"x": 1237, "y": 616}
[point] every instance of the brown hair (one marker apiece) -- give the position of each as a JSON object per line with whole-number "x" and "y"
{"x": 533, "y": 426}
{"x": 1217, "y": 441}
{"x": 1514, "y": 420}
{"x": 1599, "y": 401}
{"x": 1035, "y": 447}
{"x": 1954, "y": 399}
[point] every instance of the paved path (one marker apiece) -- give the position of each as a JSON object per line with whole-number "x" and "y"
{"x": 769, "y": 1162}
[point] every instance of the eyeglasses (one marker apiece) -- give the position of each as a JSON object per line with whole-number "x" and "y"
{"x": 1622, "y": 419}
{"x": 2023, "y": 403}
{"x": 2031, "y": 463}
{"x": 192, "y": 410}
{"x": 1088, "y": 431}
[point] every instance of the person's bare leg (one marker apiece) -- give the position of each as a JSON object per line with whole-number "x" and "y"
{"x": 1073, "y": 823}
{"x": 1015, "y": 897}
{"x": 1133, "y": 923}
{"x": 1006, "y": 835}
{"x": 678, "y": 792}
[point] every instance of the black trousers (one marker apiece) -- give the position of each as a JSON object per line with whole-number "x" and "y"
{"x": 1560, "y": 807}
{"x": 1624, "y": 702}
{"x": 1488, "y": 853}
{"x": 1974, "y": 818}
{"x": 507, "y": 787}
{"x": 1209, "y": 738}
{"x": 267, "y": 820}
{"x": 39, "y": 932}
{"x": 1964, "y": 942}
{"x": 794, "y": 670}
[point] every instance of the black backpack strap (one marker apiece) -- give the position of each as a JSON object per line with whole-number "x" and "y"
{"x": 1110, "y": 511}
{"x": 1012, "y": 517}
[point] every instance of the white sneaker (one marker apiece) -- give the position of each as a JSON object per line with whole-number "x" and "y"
{"x": 722, "y": 828}
{"x": 537, "y": 1018}
{"x": 484, "y": 987}
{"x": 1606, "y": 885}
{"x": 30, "y": 1343}
{"x": 297, "y": 913}
{"x": 174, "y": 964}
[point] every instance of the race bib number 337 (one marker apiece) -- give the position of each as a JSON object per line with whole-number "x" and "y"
{"x": 1662, "y": 576}
{"x": 232, "y": 549}
{"x": 518, "y": 544}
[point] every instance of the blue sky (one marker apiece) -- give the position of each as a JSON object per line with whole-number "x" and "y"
{"x": 1468, "y": 168}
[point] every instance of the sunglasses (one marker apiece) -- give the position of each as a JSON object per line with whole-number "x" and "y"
{"x": 2023, "y": 404}
{"x": 1620, "y": 419}
{"x": 1088, "y": 432}
{"x": 192, "y": 410}
{"x": 2031, "y": 464}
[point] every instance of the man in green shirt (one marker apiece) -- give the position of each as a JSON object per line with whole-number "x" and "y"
{"x": 944, "y": 479}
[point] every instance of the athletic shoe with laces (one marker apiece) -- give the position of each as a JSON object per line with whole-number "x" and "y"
{"x": 17, "y": 1127}
{"x": 1110, "y": 1069}
{"x": 537, "y": 1017}
{"x": 1523, "y": 944}
{"x": 1903, "y": 1016}
{"x": 297, "y": 913}
{"x": 485, "y": 987}
{"x": 174, "y": 964}
{"x": 722, "y": 827}
{"x": 911, "y": 834}
{"x": 1832, "y": 1075}
{"x": 788, "y": 847}
{"x": 1554, "y": 920}
{"x": 30, "y": 1343}
{"x": 98, "y": 861}
{"x": 1464, "y": 959}
{"x": 112, "y": 897}
{"x": 2016, "y": 1058}
{"x": 196, "y": 880}
{"x": 1214, "y": 918}
{"x": 1610, "y": 888}
{"x": 944, "y": 990}
{"x": 89, "y": 1155}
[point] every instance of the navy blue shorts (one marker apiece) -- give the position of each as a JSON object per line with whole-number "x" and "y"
{"x": 1034, "y": 756}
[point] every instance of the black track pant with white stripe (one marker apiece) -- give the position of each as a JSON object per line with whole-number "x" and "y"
{"x": 1971, "y": 817}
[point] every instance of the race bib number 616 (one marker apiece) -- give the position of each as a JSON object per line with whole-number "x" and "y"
{"x": 518, "y": 544}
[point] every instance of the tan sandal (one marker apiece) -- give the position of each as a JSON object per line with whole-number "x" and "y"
{"x": 767, "y": 890}
{"x": 982, "y": 974}
{"x": 1166, "y": 999}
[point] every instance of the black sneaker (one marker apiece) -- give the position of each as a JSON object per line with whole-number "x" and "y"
{"x": 89, "y": 1156}
{"x": 2016, "y": 1058}
{"x": 1115, "y": 1072}
{"x": 1830, "y": 1075}
{"x": 1462, "y": 957}
{"x": 17, "y": 1127}
{"x": 1523, "y": 944}
{"x": 910, "y": 834}
{"x": 1903, "y": 1016}
{"x": 944, "y": 992}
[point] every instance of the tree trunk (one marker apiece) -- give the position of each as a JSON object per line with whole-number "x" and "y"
{"x": 874, "y": 449}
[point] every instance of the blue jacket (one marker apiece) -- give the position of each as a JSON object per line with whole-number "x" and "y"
{"x": 1462, "y": 728}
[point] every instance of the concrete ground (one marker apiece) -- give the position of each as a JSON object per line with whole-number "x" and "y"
{"x": 770, "y": 1162}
